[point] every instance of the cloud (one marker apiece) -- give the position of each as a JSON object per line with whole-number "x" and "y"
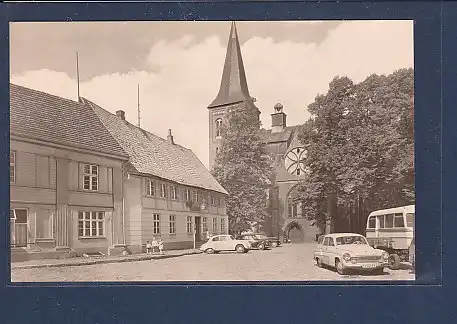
{"x": 187, "y": 75}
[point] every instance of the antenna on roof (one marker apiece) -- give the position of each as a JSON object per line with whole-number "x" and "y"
{"x": 138, "y": 105}
{"x": 77, "y": 73}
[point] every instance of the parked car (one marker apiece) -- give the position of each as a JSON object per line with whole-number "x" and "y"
{"x": 274, "y": 241}
{"x": 346, "y": 251}
{"x": 258, "y": 241}
{"x": 412, "y": 253}
{"x": 218, "y": 243}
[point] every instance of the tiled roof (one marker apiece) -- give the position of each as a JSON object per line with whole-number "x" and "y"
{"x": 151, "y": 154}
{"x": 46, "y": 117}
{"x": 283, "y": 136}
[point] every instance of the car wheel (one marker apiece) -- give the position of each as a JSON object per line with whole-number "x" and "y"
{"x": 319, "y": 262}
{"x": 209, "y": 251}
{"x": 240, "y": 248}
{"x": 340, "y": 268}
{"x": 261, "y": 247}
{"x": 274, "y": 244}
{"x": 394, "y": 262}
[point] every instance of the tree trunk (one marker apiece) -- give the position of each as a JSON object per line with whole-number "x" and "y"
{"x": 331, "y": 212}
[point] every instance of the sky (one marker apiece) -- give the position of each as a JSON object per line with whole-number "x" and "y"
{"x": 178, "y": 65}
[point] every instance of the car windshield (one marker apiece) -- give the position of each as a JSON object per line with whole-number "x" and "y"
{"x": 260, "y": 236}
{"x": 343, "y": 240}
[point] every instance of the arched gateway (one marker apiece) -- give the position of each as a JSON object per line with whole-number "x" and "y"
{"x": 294, "y": 232}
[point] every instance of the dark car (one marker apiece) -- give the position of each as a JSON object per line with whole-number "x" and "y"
{"x": 274, "y": 241}
{"x": 258, "y": 241}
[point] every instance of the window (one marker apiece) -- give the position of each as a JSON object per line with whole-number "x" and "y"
{"x": 44, "y": 224}
{"x": 218, "y": 127}
{"x": 205, "y": 224}
{"x": 372, "y": 222}
{"x": 410, "y": 220}
{"x": 189, "y": 225}
{"x": 156, "y": 224}
{"x": 163, "y": 190}
{"x": 213, "y": 201}
{"x": 389, "y": 222}
{"x": 12, "y": 167}
{"x": 331, "y": 243}
{"x": 222, "y": 225}
{"x": 399, "y": 220}
{"x": 215, "y": 239}
{"x": 173, "y": 193}
{"x": 327, "y": 241}
{"x": 172, "y": 224}
{"x": 186, "y": 195}
{"x": 381, "y": 221}
{"x": 18, "y": 218}
{"x": 194, "y": 196}
{"x": 91, "y": 224}
{"x": 214, "y": 225}
{"x": 90, "y": 177}
{"x": 320, "y": 239}
{"x": 150, "y": 188}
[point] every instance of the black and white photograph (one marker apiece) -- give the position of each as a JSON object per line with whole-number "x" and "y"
{"x": 212, "y": 151}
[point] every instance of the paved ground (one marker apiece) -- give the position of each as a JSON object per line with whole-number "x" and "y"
{"x": 290, "y": 262}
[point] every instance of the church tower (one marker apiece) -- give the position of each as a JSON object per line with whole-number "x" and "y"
{"x": 233, "y": 92}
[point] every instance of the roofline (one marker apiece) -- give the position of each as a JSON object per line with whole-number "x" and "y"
{"x": 70, "y": 147}
{"x": 211, "y": 106}
{"x": 148, "y": 175}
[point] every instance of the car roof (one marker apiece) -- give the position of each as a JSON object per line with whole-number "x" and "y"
{"x": 341, "y": 234}
{"x": 407, "y": 209}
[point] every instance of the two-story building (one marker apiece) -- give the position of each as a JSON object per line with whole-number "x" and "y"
{"x": 65, "y": 178}
{"x": 168, "y": 192}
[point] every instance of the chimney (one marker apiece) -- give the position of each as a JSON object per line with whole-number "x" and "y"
{"x": 278, "y": 119}
{"x": 170, "y": 137}
{"x": 120, "y": 114}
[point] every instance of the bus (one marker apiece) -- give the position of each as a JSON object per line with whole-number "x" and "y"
{"x": 392, "y": 230}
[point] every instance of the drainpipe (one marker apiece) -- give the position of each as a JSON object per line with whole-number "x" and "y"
{"x": 123, "y": 206}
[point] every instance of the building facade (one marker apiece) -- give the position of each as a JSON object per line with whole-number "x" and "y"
{"x": 168, "y": 193}
{"x": 287, "y": 219}
{"x": 65, "y": 178}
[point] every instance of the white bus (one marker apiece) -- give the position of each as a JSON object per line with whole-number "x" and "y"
{"x": 392, "y": 230}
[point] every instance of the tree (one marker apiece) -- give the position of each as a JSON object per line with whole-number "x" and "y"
{"x": 243, "y": 167}
{"x": 360, "y": 144}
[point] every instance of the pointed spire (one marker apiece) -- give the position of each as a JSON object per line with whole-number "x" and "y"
{"x": 234, "y": 87}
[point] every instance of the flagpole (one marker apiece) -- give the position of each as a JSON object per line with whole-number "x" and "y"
{"x": 77, "y": 72}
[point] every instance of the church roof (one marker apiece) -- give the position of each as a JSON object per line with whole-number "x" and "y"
{"x": 234, "y": 86}
{"x": 283, "y": 136}
{"x": 155, "y": 156}
{"x": 42, "y": 116}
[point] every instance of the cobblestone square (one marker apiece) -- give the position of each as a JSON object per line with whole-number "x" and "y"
{"x": 291, "y": 262}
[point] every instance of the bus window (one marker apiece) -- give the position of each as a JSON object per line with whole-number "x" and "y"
{"x": 389, "y": 221}
{"x": 399, "y": 221}
{"x": 372, "y": 222}
{"x": 381, "y": 221}
{"x": 410, "y": 220}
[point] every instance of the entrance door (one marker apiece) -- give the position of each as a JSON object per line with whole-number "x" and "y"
{"x": 295, "y": 234}
{"x": 18, "y": 227}
{"x": 198, "y": 228}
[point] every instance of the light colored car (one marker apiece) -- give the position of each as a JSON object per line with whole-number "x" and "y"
{"x": 220, "y": 243}
{"x": 345, "y": 251}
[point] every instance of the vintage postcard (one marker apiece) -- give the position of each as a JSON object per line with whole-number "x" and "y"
{"x": 212, "y": 151}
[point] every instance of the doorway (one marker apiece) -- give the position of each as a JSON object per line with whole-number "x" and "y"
{"x": 198, "y": 228}
{"x": 18, "y": 223}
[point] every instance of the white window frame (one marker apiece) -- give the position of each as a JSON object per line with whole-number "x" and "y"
{"x": 151, "y": 188}
{"x": 218, "y": 125}
{"x": 13, "y": 166}
{"x": 163, "y": 190}
{"x": 189, "y": 226}
{"x": 172, "y": 220}
{"x": 88, "y": 216}
{"x": 156, "y": 223}
{"x": 91, "y": 177}
{"x": 204, "y": 224}
{"x": 213, "y": 201}
{"x": 13, "y": 225}
{"x": 186, "y": 194}
{"x": 174, "y": 195}
{"x": 215, "y": 225}
{"x": 222, "y": 225}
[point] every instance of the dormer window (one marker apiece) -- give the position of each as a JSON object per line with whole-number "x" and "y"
{"x": 218, "y": 127}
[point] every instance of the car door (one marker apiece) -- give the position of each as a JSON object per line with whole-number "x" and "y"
{"x": 225, "y": 243}
{"x": 319, "y": 246}
{"x": 325, "y": 252}
{"x": 215, "y": 243}
{"x": 331, "y": 252}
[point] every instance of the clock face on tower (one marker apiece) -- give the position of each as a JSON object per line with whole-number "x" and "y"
{"x": 295, "y": 160}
